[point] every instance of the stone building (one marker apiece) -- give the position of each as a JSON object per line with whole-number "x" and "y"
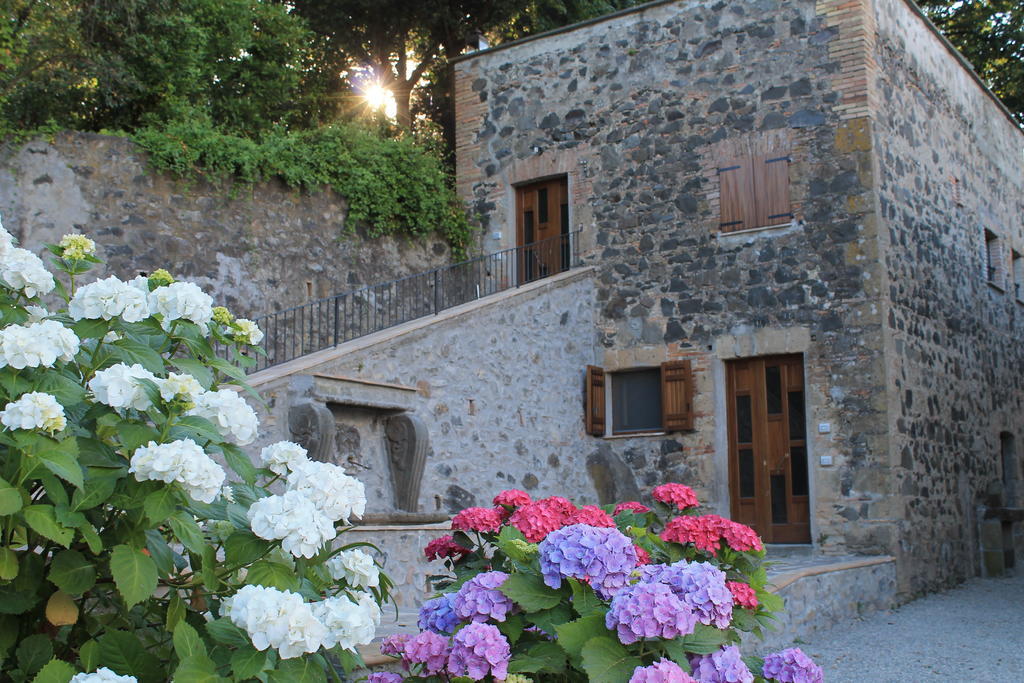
{"x": 803, "y": 220}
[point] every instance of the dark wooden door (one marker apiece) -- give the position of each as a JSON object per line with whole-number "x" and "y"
{"x": 542, "y": 228}
{"x": 768, "y": 473}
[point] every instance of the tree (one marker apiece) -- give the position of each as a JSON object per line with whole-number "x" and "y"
{"x": 990, "y": 34}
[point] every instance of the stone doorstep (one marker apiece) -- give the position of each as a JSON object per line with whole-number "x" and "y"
{"x": 405, "y": 620}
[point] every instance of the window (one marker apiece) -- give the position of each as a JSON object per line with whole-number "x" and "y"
{"x": 993, "y": 259}
{"x": 640, "y": 399}
{"x": 754, "y": 192}
{"x": 1018, "y": 275}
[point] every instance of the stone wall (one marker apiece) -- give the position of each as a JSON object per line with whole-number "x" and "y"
{"x": 949, "y": 167}
{"x": 255, "y": 250}
{"x": 639, "y": 111}
{"x": 497, "y": 383}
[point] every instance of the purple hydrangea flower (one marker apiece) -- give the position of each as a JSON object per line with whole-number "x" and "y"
{"x": 601, "y": 556}
{"x": 429, "y": 649}
{"x": 479, "y": 649}
{"x": 649, "y": 610}
{"x": 700, "y": 585}
{"x": 395, "y": 645}
{"x": 792, "y": 666}
{"x": 662, "y": 671}
{"x": 438, "y": 615}
{"x": 479, "y": 598}
{"x": 724, "y": 666}
{"x": 384, "y": 677}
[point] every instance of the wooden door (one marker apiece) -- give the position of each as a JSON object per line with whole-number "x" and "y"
{"x": 542, "y": 228}
{"x": 768, "y": 473}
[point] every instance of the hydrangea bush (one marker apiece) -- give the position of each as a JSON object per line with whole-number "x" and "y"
{"x": 540, "y": 590}
{"x": 139, "y": 540}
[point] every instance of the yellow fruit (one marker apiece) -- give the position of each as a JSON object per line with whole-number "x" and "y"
{"x": 61, "y": 610}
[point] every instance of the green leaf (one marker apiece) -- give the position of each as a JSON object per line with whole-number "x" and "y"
{"x": 208, "y": 570}
{"x": 131, "y": 351}
{"x": 272, "y": 575}
{"x": 243, "y": 548}
{"x": 34, "y": 652}
{"x": 63, "y": 463}
{"x": 704, "y": 640}
{"x": 55, "y": 671}
{"x": 91, "y": 329}
{"x": 675, "y": 651}
{"x": 43, "y": 521}
{"x": 89, "y": 655}
{"x": 195, "y": 368}
{"x": 125, "y": 654}
{"x": 197, "y": 669}
{"x": 574, "y": 635}
{"x": 175, "y": 612}
{"x": 10, "y": 498}
{"x": 225, "y": 632}
{"x": 160, "y": 504}
{"x": 514, "y": 550}
{"x": 8, "y": 633}
{"x": 134, "y": 435}
{"x": 72, "y": 573}
{"x": 134, "y": 573}
{"x": 66, "y": 390}
{"x": 161, "y": 553}
{"x": 539, "y": 658}
{"x": 605, "y": 660}
{"x": 238, "y": 461}
{"x": 550, "y": 619}
{"x": 8, "y": 564}
{"x": 100, "y": 483}
{"x": 511, "y": 628}
{"x": 299, "y": 670}
{"x": 585, "y": 600}
{"x": 91, "y": 538}
{"x": 187, "y": 531}
{"x": 198, "y": 429}
{"x": 247, "y": 662}
{"x": 770, "y": 602}
{"x": 530, "y": 592}
{"x": 187, "y": 642}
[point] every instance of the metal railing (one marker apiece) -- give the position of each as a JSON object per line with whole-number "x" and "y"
{"x": 325, "y": 323}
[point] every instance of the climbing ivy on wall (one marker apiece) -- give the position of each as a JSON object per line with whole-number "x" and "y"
{"x": 392, "y": 185}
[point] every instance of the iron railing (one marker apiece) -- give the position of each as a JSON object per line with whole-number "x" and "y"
{"x": 325, "y": 323}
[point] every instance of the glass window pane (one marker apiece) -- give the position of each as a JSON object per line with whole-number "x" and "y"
{"x": 780, "y": 515}
{"x": 542, "y": 205}
{"x": 797, "y": 420}
{"x": 746, "y": 473}
{"x": 798, "y": 464}
{"x": 636, "y": 401}
{"x": 528, "y": 227}
{"x": 744, "y": 420}
{"x": 773, "y": 389}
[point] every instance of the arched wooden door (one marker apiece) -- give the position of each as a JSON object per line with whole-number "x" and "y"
{"x": 768, "y": 472}
{"x": 542, "y": 228}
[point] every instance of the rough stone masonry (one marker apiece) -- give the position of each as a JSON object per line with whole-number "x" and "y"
{"x": 899, "y": 162}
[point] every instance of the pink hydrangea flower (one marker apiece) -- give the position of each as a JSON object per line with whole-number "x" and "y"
{"x": 477, "y": 519}
{"x": 743, "y": 594}
{"x": 592, "y": 515}
{"x": 642, "y": 556}
{"x": 480, "y": 649}
{"x": 662, "y": 671}
{"x": 631, "y": 506}
{"x": 538, "y": 519}
{"x": 740, "y": 536}
{"x": 384, "y": 677}
{"x": 429, "y": 649}
{"x": 680, "y": 495}
{"x": 702, "y": 532}
{"x": 443, "y": 547}
{"x": 395, "y": 645}
{"x": 512, "y": 498}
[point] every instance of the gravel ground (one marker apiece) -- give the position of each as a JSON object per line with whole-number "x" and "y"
{"x": 971, "y": 634}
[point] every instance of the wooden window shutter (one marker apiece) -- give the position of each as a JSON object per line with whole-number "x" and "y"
{"x": 595, "y": 401}
{"x": 736, "y": 196}
{"x": 677, "y": 396}
{"x": 771, "y": 183}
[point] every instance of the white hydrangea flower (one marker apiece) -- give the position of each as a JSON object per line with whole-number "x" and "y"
{"x": 35, "y": 410}
{"x": 7, "y": 241}
{"x": 37, "y": 344}
{"x": 229, "y": 412}
{"x": 247, "y": 332}
{"x": 23, "y": 270}
{"x": 182, "y": 300}
{"x": 181, "y": 386}
{"x": 335, "y": 493}
{"x": 283, "y": 456}
{"x": 118, "y": 386}
{"x": 102, "y": 675}
{"x": 181, "y": 461}
{"x": 141, "y": 283}
{"x": 109, "y": 298}
{"x": 348, "y": 623}
{"x": 112, "y": 336}
{"x": 293, "y": 519}
{"x": 356, "y": 567}
{"x": 76, "y": 247}
{"x": 275, "y": 618}
{"x": 36, "y": 314}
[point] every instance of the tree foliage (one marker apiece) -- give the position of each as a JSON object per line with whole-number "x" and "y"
{"x": 990, "y": 34}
